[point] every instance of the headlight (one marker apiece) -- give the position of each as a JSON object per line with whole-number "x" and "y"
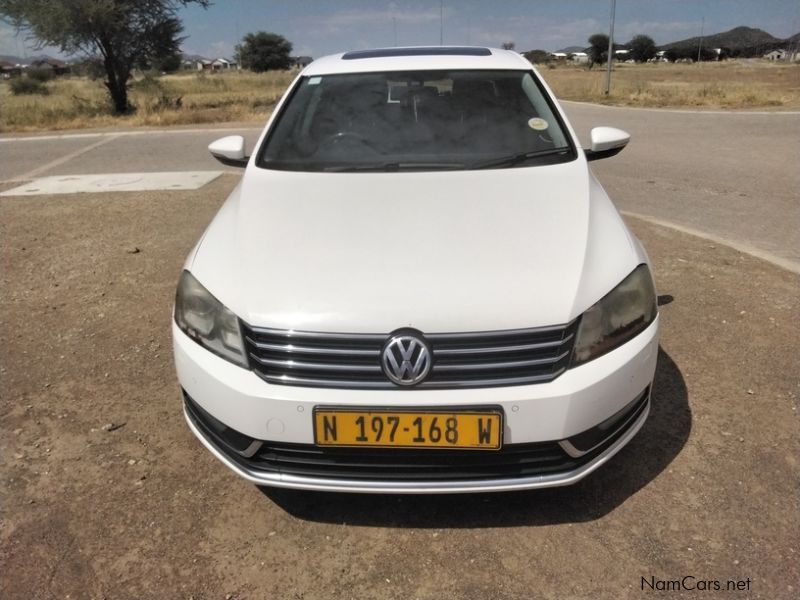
{"x": 620, "y": 315}
{"x": 204, "y": 319}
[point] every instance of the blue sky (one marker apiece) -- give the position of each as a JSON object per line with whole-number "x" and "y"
{"x": 318, "y": 27}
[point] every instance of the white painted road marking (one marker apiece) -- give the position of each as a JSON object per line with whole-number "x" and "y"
{"x": 744, "y": 248}
{"x": 114, "y": 182}
{"x": 72, "y": 136}
{"x": 65, "y": 158}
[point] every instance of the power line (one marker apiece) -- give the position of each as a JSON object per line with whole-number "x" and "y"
{"x": 610, "y": 46}
{"x": 700, "y": 41}
{"x": 441, "y": 22}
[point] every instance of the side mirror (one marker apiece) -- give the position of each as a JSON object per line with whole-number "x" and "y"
{"x": 606, "y": 141}
{"x": 229, "y": 151}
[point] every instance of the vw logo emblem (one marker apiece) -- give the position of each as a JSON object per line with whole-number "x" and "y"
{"x": 406, "y": 359}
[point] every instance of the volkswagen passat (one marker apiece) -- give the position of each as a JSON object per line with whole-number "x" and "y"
{"x": 417, "y": 286}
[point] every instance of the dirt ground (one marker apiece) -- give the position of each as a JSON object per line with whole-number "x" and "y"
{"x": 106, "y": 493}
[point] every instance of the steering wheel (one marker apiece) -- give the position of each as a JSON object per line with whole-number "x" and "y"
{"x": 345, "y": 137}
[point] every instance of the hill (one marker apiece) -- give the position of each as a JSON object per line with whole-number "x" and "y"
{"x": 571, "y": 49}
{"x": 740, "y": 41}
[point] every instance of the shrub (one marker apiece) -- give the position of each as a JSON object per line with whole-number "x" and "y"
{"x": 25, "y": 85}
{"x": 40, "y": 74}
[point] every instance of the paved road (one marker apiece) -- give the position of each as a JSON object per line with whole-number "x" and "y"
{"x": 730, "y": 176}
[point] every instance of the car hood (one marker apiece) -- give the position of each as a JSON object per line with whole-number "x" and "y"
{"x": 437, "y": 251}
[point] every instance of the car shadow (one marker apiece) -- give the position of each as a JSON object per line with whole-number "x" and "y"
{"x": 655, "y": 446}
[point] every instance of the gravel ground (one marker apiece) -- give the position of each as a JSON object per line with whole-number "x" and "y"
{"x": 106, "y": 494}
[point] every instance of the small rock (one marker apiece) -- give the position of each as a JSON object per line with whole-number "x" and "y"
{"x": 270, "y": 534}
{"x": 741, "y": 439}
{"x": 132, "y": 250}
{"x": 17, "y": 431}
{"x": 131, "y": 462}
{"x": 112, "y": 426}
{"x": 751, "y": 392}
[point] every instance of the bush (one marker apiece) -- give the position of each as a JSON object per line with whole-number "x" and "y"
{"x": 40, "y": 74}
{"x": 25, "y": 85}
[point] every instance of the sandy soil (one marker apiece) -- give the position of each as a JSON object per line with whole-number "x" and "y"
{"x": 106, "y": 494}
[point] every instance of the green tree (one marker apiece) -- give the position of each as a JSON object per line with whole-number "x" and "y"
{"x": 124, "y": 33}
{"x": 538, "y": 56}
{"x": 598, "y": 49}
{"x": 643, "y": 48}
{"x": 264, "y": 51}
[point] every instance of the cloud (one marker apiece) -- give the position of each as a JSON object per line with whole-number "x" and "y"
{"x": 220, "y": 48}
{"x": 9, "y": 42}
{"x": 361, "y": 20}
{"x": 15, "y": 44}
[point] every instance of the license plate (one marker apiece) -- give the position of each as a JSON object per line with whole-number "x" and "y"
{"x": 476, "y": 430}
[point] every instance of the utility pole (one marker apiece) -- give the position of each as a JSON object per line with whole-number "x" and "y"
{"x": 441, "y": 22}
{"x": 700, "y": 43}
{"x": 610, "y": 46}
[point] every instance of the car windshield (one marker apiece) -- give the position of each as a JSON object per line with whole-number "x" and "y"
{"x": 420, "y": 120}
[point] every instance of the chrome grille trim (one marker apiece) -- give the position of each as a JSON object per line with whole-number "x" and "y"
{"x": 296, "y": 364}
{"x": 292, "y": 349}
{"x": 444, "y": 384}
{"x": 503, "y": 365}
{"x": 291, "y": 333}
{"x": 460, "y": 360}
{"x": 518, "y": 348}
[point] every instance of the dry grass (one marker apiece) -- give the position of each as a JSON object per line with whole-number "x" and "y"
{"x": 745, "y": 84}
{"x": 189, "y": 98}
{"x": 180, "y": 99}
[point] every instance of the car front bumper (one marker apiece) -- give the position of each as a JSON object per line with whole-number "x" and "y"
{"x": 555, "y": 413}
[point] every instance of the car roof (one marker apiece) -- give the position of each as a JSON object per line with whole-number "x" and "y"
{"x": 417, "y": 58}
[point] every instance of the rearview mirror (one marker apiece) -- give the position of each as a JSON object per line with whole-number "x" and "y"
{"x": 606, "y": 141}
{"x": 229, "y": 151}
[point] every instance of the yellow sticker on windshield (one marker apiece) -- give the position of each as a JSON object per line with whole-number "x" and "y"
{"x": 537, "y": 124}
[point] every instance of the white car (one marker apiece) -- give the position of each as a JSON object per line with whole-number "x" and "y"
{"x": 418, "y": 286}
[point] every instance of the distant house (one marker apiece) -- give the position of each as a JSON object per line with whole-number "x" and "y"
{"x": 777, "y": 55}
{"x": 300, "y": 62}
{"x": 579, "y": 57}
{"x": 223, "y": 64}
{"x": 59, "y": 67}
{"x": 9, "y": 69}
{"x": 558, "y": 55}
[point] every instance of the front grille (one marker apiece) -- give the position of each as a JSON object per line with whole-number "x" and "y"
{"x": 513, "y": 460}
{"x": 481, "y": 359}
{"x": 376, "y": 464}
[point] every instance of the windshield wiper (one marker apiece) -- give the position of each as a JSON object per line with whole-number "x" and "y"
{"x": 396, "y": 166}
{"x": 515, "y": 159}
